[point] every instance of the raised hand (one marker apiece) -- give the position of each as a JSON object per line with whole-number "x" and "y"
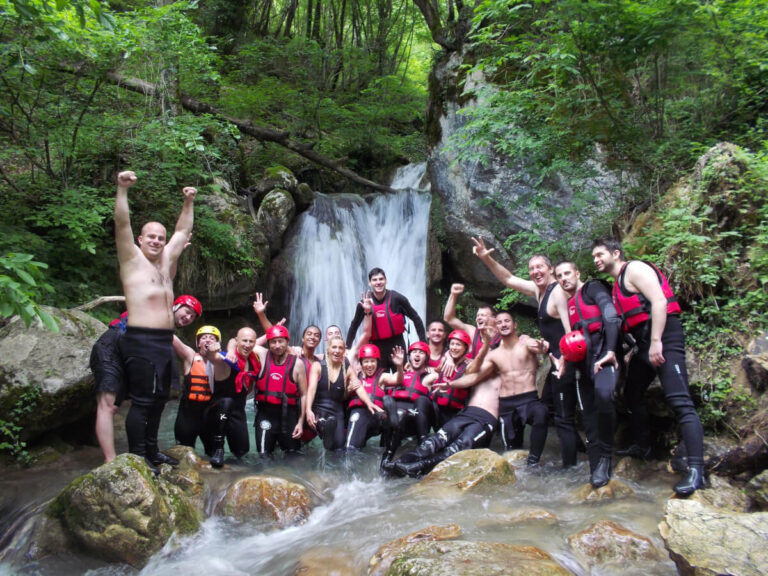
{"x": 457, "y": 289}
{"x": 189, "y": 192}
{"x": 126, "y": 179}
{"x": 366, "y": 302}
{"x": 259, "y": 305}
{"x": 398, "y": 356}
{"x": 479, "y": 248}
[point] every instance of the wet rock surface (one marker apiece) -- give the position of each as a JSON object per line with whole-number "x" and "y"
{"x": 707, "y": 541}
{"x": 470, "y": 470}
{"x": 273, "y": 501}
{"x": 615, "y": 489}
{"x": 473, "y": 559}
{"x": 119, "y": 512}
{"x": 607, "y": 541}
{"x": 381, "y": 561}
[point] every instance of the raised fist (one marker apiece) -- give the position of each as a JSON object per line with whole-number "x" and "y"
{"x": 126, "y": 179}
{"x": 190, "y": 192}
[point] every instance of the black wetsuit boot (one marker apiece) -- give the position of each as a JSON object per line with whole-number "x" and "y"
{"x": 217, "y": 460}
{"x": 602, "y": 472}
{"x": 693, "y": 481}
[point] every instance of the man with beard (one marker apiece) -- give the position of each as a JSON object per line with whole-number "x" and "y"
{"x": 553, "y": 324}
{"x": 650, "y": 312}
{"x": 591, "y": 312}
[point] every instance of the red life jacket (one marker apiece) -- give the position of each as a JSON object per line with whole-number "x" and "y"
{"x": 477, "y": 343}
{"x": 371, "y": 385}
{"x": 436, "y": 363}
{"x": 583, "y": 315}
{"x": 198, "y": 386}
{"x": 246, "y": 377}
{"x": 455, "y": 398}
{"x": 275, "y": 384}
{"x": 411, "y": 388}
{"x": 633, "y": 307}
{"x": 386, "y": 323}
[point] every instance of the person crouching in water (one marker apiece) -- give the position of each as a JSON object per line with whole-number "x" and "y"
{"x": 448, "y": 402}
{"x": 330, "y": 380}
{"x": 367, "y": 417}
{"x": 412, "y": 404}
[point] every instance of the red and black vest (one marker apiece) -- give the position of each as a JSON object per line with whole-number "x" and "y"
{"x": 633, "y": 307}
{"x": 411, "y": 388}
{"x": 276, "y": 384}
{"x": 198, "y": 385}
{"x": 375, "y": 392}
{"x": 583, "y": 316}
{"x": 477, "y": 343}
{"x": 386, "y": 323}
{"x": 248, "y": 371}
{"x": 455, "y": 398}
{"x": 436, "y": 363}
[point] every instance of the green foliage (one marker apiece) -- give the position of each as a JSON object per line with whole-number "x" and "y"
{"x": 711, "y": 240}
{"x": 10, "y": 431}
{"x": 22, "y": 287}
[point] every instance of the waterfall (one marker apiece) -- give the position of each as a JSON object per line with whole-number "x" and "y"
{"x": 343, "y": 236}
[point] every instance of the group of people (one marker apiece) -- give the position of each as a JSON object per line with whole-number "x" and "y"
{"x": 466, "y": 384}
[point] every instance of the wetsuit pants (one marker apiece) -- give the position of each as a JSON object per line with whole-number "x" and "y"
{"x": 471, "y": 428}
{"x": 596, "y": 395}
{"x": 322, "y": 413}
{"x": 443, "y": 415}
{"x": 272, "y": 429}
{"x": 190, "y": 423}
{"x": 564, "y": 400}
{"x": 107, "y": 365}
{"x": 226, "y": 419}
{"x": 148, "y": 357}
{"x": 362, "y": 425}
{"x": 386, "y": 347}
{"x": 518, "y": 410}
{"x": 674, "y": 381}
{"x": 415, "y": 420}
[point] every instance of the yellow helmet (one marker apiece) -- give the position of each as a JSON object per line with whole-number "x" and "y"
{"x": 208, "y": 330}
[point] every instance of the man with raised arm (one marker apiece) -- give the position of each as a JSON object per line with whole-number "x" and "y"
{"x": 147, "y": 345}
{"x": 650, "y": 312}
{"x": 553, "y": 324}
{"x": 483, "y": 318}
{"x": 390, "y": 309}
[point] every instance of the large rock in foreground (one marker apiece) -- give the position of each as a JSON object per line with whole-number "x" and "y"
{"x": 273, "y": 501}
{"x": 473, "y": 559}
{"x": 706, "y": 541}
{"x": 470, "y": 470}
{"x": 381, "y": 561}
{"x": 48, "y": 373}
{"x": 606, "y": 541}
{"x": 119, "y": 512}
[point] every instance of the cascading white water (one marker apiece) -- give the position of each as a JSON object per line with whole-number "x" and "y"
{"x": 343, "y": 236}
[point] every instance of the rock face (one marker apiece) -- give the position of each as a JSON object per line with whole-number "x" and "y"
{"x": 757, "y": 490}
{"x": 755, "y": 362}
{"x": 48, "y": 373}
{"x": 606, "y": 541}
{"x": 498, "y": 191}
{"x": 119, "y": 512}
{"x": 273, "y": 501}
{"x": 474, "y": 559}
{"x": 707, "y": 541}
{"x": 470, "y": 470}
{"x": 381, "y": 561}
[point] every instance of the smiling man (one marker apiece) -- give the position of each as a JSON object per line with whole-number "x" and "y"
{"x": 390, "y": 309}
{"x": 146, "y": 272}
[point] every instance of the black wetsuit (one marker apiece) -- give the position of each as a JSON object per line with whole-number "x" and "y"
{"x": 107, "y": 365}
{"x": 517, "y": 411}
{"x": 559, "y": 393}
{"x": 673, "y": 376}
{"x": 190, "y": 419}
{"x": 329, "y": 402}
{"x": 274, "y": 423}
{"x": 415, "y": 417}
{"x": 471, "y": 428}
{"x": 596, "y": 391}
{"x": 226, "y": 415}
{"x": 399, "y": 304}
{"x": 148, "y": 358}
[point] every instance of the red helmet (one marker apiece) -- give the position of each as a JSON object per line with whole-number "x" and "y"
{"x": 187, "y": 300}
{"x": 277, "y": 332}
{"x": 370, "y": 351}
{"x": 423, "y": 346}
{"x": 573, "y": 346}
{"x": 461, "y": 336}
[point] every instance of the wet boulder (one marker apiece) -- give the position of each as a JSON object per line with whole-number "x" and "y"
{"x": 707, "y": 541}
{"x": 473, "y": 559}
{"x": 186, "y": 476}
{"x": 614, "y": 490}
{"x": 272, "y": 501}
{"x": 527, "y": 516}
{"x": 470, "y": 470}
{"x": 607, "y": 542}
{"x": 720, "y": 494}
{"x": 120, "y": 512}
{"x": 755, "y": 363}
{"x": 274, "y": 216}
{"x": 44, "y": 377}
{"x": 327, "y": 562}
{"x": 381, "y": 561}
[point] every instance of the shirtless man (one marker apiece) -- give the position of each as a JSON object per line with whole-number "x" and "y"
{"x": 146, "y": 346}
{"x": 515, "y": 361}
{"x": 553, "y": 324}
